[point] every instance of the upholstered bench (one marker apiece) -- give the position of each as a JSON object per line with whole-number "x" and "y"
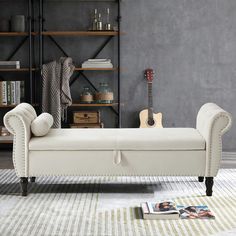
{"x": 161, "y": 152}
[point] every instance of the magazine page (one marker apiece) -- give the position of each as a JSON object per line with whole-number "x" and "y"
{"x": 195, "y": 212}
{"x": 162, "y": 207}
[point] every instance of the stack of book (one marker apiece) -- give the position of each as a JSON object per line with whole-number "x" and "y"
{"x": 97, "y": 63}
{"x": 168, "y": 210}
{"x": 11, "y": 92}
{"x": 9, "y": 64}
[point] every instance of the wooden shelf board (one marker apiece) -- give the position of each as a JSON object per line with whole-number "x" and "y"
{"x": 93, "y": 105}
{"x": 6, "y": 139}
{"x": 108, "y": 69}
{"x": 76, "y": 69}
{"x": 13, "y": 33}
{"x": 7, "y": 106}
{"x": 88, "y": 0}
{"x": 6, "y": 142}
{"x": 16, "y": 70}
{"x": 62, "y": 33}
{"x": 12, "y": 106}
{"x": 80, "y": 33}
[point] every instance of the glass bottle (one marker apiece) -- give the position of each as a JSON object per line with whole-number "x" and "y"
{"x": 108, "y": 24}
{"x": 95, "y": 20}
{"x": 104, "y": 94}
{"x": 99, "y": 22}
{"x": 86, "y": 96}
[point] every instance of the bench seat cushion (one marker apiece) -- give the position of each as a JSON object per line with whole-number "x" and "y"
{"x": 119, "y": 139}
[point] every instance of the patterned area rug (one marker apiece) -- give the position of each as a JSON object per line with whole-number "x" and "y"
{"x": 110, "y": 205}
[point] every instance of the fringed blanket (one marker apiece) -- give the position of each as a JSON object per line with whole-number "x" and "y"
{"x": 56, "y": 95}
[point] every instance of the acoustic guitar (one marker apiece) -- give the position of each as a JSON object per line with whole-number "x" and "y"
{"x": 148, "y": 119}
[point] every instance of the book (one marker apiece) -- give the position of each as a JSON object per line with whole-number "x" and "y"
{"x": 168, "y": 210}
{"x": 4, "y": 93}
{"x": 10, "y": 64}
{"x": 161, "y": 210}
{"x": 13, "y": 92}
{"x": 97, "y": 63}
{"x": 18, "y": 93}
{"x": 8, "y": 92}
{"x": 22, "y": 91}
{"x": 195, "y": 212}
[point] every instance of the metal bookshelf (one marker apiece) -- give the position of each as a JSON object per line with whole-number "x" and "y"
{"x": 33, "y": 69}
{"x": 24, "y": 37}
{"x": 80, "y": 72}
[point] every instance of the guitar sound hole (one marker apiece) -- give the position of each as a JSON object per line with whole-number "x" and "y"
{"x": 151, "y": 122}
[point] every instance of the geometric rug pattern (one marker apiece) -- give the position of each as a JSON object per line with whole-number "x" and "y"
{"x": 109, "y": 206}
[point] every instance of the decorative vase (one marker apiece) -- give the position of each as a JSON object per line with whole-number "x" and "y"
{"x": 18, "y": 23}
{"x": 86, "y": 96}
{"x": 104, "y": 94}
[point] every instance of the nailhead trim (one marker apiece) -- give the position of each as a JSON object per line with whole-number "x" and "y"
{"x": 23, "y": 154}
{"x": 222, "y": 131}
{"x": 28, "y": 112}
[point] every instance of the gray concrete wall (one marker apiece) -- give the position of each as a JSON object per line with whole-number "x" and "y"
{"x": 192, "y": 47}
{"x": 191, "y": 44}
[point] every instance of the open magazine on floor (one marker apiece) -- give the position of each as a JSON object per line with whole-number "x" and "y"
{"x": 167, "y": 210}
{"x": 195, "y": 212}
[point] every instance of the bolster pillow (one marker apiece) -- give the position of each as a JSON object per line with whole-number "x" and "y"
{"x": 41, "y": 125}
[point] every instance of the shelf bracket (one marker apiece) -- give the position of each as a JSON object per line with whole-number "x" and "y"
{"x": 102, "y": 47}
{"x": 58, "y": 45}
{"x": 17, "y": 48}
{"x": 93, "y": 57}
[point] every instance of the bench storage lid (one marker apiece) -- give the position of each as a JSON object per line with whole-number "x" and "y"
{"x": 119, "y": 139}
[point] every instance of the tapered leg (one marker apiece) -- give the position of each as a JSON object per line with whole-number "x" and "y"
{"x": 23, "y": 183}
{"x": 32, "y": 179}
{"x": 200, "y": 178}
{"x": 209, "y": 184}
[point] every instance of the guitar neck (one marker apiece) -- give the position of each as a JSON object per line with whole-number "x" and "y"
{"x": 150, "y": 101}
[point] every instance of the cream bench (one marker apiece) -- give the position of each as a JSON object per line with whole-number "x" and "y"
{"x": 128, "y": 152}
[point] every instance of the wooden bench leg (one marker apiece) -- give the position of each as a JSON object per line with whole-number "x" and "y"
{"x": 32, "y": 179}
{"x": 200, "y": 178}
{"x": 209, "y": 184}
{"x": 23, "y": 184}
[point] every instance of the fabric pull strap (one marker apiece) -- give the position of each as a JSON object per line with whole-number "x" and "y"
{"x": 117, "y": 157}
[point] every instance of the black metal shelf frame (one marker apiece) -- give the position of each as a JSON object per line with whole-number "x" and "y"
{"x": 81, "y": 73}
{"x": 30, "y": 47}
{"x": 26, "y": 38}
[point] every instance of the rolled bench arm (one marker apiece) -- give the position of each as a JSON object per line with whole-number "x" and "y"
{"x": 212, "y": 123}
{"x": 18, "y": 122}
